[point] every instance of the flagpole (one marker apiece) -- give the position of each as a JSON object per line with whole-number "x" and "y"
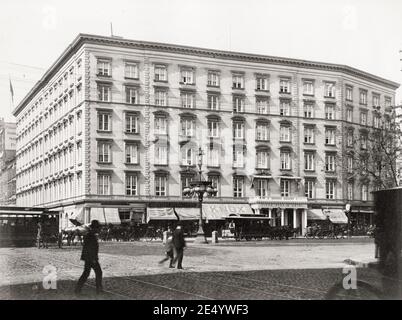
{"x": 11, "y": 94}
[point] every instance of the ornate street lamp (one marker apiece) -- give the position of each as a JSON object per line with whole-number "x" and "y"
{"x": 200, "y": 188}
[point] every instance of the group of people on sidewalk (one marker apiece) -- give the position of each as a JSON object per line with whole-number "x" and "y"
{"x": 174, "y": 246}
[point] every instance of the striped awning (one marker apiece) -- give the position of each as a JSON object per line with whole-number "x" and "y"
{"x": 336, "y": 215}
{"x": 160, "y": 214}
{"x": 106, "y": 215}
{"x": 188, "y": 213}
{"x": 219, "y": 211}
{"x": 315, "y": 214}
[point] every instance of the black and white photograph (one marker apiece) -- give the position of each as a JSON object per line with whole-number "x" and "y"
{"x": 187, "y": 151}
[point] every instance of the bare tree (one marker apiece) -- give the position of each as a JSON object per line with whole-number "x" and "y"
{"x": 375, "y": 152}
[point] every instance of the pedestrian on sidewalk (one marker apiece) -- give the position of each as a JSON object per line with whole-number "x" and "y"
{"x": 89, "y": 255}
{"x": 169, "y": 252}
{"x": 179, "y": 244}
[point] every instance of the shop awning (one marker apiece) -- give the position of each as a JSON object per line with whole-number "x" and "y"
{"x": 112, "y": 215}
{"x": 188, "y": 213}
{"x": 315, "y": 214}
{"x": 160, "y": 214}
{"x": 336, "y": 215}
{"x": 219, "y": 211}
{"x": 106, "y": 215}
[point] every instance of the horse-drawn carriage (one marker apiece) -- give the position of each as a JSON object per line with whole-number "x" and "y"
{"x": 326, "y": 229}
{"x": 258, "y": 227}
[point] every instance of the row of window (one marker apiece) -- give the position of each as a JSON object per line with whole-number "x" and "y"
{"x": 56, "y": 92}
{"x": 261, "y": 186}
{"x": 187, "y": 76}
{"x": 53, "y": 114}
{"x": 60, "y": 189}
{"x": 66, "y": 130}
{"x": 188, "y": 156}
{"x": 188, "y": 128}
{"x": 60, "y": 161}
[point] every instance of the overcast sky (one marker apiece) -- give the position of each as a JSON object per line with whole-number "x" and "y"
{"x": 365, "y": 34}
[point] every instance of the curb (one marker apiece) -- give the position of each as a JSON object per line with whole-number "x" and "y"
{"x": 360, "y": 264}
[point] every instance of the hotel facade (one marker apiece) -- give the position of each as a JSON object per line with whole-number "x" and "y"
{"x": 114, "y": 128}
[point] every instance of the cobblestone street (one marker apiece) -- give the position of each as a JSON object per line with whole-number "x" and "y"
{"x": 294, "y": 269}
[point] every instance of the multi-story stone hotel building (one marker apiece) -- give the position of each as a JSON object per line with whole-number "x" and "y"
{"x": 116, "y": 124}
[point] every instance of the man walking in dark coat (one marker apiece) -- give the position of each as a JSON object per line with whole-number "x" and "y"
{"x": 179, "y": 243}
{"x": 89, "y": 254}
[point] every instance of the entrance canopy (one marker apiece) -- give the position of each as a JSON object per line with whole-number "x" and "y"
{"x": 315, "y": 214}
{"x": 220, "y": 211}
{"x": 106, "y": 215}
{"x": 336, "y": 215}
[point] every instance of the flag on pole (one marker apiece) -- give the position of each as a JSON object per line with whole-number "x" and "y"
{"x": 11, "y": 91}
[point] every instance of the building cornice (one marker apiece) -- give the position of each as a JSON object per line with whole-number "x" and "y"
{"x": 82, "y": 39}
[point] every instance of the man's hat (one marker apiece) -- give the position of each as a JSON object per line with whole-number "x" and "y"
{"x": 95, "y": 224}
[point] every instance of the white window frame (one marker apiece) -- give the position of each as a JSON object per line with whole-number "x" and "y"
{"x": 309, "y": 135}
{"x": 330, "y": 159}
{"x": 262, "y": 105}
{"x": 104, "y": 121}
{"x": 309, "y": 189}
{"x": 213, "y": 101}
{"x": 131, "y": 184}
{"x": 284, "y": 108}
{"x": 262, "y": 131}
{"x": 308, "y": 87}
{"x": 187, "y": 100}
{"x": 104, "y": 68}
{"x": 187, "y": 76}
{"x": 330, "y": 136}
{"x": 238, "y": 130}
{"x": 309, "y": 161}
{"x": 213, "y": 78}
{"x": 131, "y": 123}
{"x": 132, "y": 95}
{"x": 308, "y": 109}
{"x": 104, "y": 93}
{"x": 261, "y": 83}
{"x": 285, "y": 160}
{"x": 104, "y": 152}
{"x": 187, "y": 156}
{"x": 238, "y": 156}
{"x": 238, "y": 81}
{"x": 161, "y": 125}
{"x": 160, "y": 185}
{"x": 213, "y": 157}
{"x": 329, "y": 88}
{"x": 238, "y": 187}
{"x": 285, "y": 188}
{"x": 284, "y": 86}
{"x": 329, "y": 111}
{"x": 131, "y": 153}
{"x": 131, "y": 70}
{"x": 330, "y": 189}
{"x": 285, "y": 134}
{"x": 213, "y": 128}
{"x": 160, "y": 73}
{"x": 103, "y": 183}
{"x": 187, "y": 127}
{"x": 262, "y": 157}
{"x": 161, "y": 155}
{"x": 160, "y": 98}
{"x": 238, "y": 104}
